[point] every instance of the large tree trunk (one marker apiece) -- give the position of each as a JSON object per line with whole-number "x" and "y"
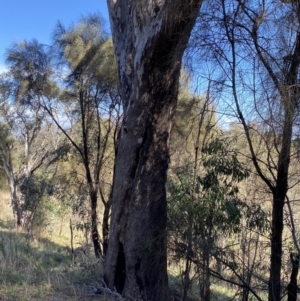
{"x": 149, "y": 39}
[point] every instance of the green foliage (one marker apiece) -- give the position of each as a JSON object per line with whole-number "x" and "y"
{"x": 35, "y": 200}
{"x": 205, "y": 206}
{"x": 29, "y": 65}
{"x": 87, "y": 52}
{"x": 211, "y": 204}
{"x": 256, "y": 218}
{"x": 223, "y": 172}
{"x": 33, "y": 190}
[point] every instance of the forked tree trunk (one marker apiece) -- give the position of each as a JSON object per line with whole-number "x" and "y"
{"x": 149, "y": 38}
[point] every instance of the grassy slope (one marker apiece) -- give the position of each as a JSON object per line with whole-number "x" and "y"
{"x": 42, "y": 270}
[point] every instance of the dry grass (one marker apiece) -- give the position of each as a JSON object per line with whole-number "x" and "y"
{"x": 43, "y": 270}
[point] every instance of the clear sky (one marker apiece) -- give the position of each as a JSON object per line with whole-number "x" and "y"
{"x": 28, "y": 19}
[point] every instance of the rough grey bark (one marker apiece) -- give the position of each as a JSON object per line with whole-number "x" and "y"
{"x": 149, "y": 39}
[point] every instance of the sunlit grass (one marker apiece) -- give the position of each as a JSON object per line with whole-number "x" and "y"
{"x": 219, "y": 291}
{"x": 43, "y": 270}
{"x": 6, "y": 214}
{"x": 29, "y": 271}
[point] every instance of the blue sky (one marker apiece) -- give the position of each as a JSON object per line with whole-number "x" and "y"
{"x": 20, "y": 19}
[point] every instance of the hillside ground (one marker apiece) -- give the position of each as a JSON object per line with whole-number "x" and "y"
{"x": 45, "y": 268}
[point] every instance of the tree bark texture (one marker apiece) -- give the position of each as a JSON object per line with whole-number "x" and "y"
{"x": 149, "y": 39}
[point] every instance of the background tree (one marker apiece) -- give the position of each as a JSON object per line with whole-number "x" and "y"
{"x": 194, "y": 125}
{"x": 25, "y": 146}
{"x": 260, "y": 39}
{"x": 207, "y": 211}
{"x": 90, "y": 102}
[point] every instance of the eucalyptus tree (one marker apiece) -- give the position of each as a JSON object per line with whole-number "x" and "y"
{"x": 87, "y": 108}
{"x": 204, "y": 205}
{"x": 257, "y": 47}
{"x": 206, "y": 209}
{"x": 149, "y": 40}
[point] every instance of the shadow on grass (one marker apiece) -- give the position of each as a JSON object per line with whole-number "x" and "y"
{"x": 43, "y": 271}
{"x": 218, "y": 292}
{"x": 30, "y": 271}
